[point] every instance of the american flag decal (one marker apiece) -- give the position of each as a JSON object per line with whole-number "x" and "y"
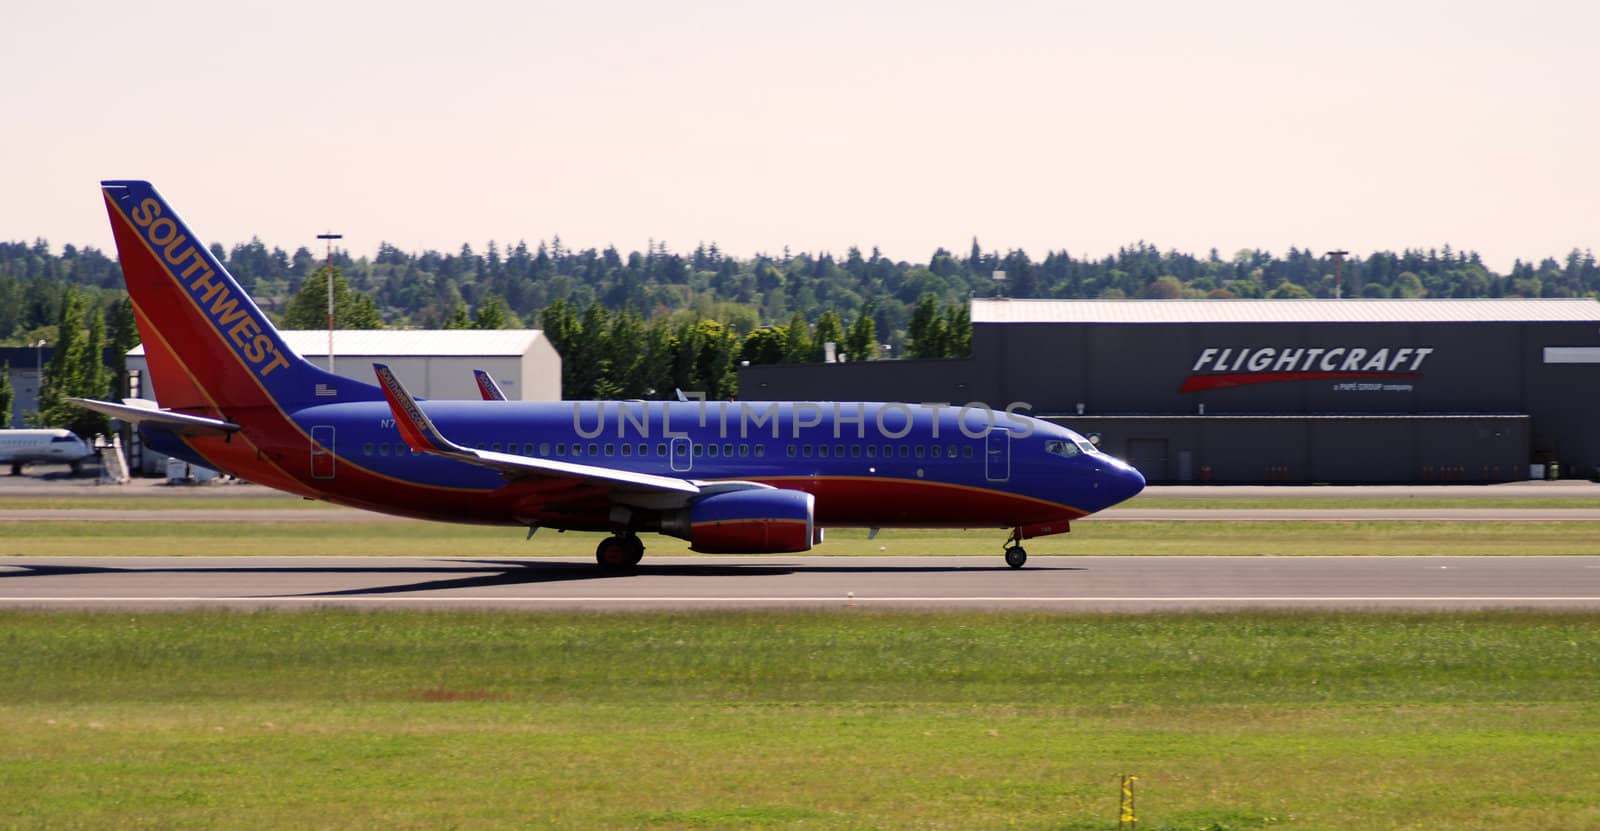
{"x": 326, "y": 391}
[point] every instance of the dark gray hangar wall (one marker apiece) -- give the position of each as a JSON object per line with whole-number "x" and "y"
{"x": 1272, "y": 390}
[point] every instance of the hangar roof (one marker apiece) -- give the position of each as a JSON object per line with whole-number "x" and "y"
{"x": 1514, "y": 310}
{"x": 474, "y": 343}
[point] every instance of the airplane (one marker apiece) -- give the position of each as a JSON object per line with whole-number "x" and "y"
{"x": 730, "y": 477}
{"x": 51, "y": 446}
{"x": 487, "y": 387}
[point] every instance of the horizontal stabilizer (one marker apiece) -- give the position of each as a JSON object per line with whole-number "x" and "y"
{"x": 421, "y": 435}
{"x": 182, "y": 423}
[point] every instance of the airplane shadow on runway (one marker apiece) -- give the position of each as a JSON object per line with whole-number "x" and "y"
{"x": 472, "y": 574}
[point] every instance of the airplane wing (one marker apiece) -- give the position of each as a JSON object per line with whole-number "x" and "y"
{"x": 487, "y": 387}
{"x": 422, "y": 436}
{"x": 181, "y": 423}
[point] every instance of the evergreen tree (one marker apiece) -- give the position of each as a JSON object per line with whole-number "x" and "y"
{"x": 458, "y": 317}
{"x": 96, "y": 380}
{"x": 861, "y": 343}
{"x": 493, "y": 314}
{"x": 124, "y": 332}
{"x": 957, "y": 331}
{"x": 308, "y": 309}
{"x": 67, "y": 375}
{"x": 927, "y": 329}
{"x": 830, "y": 329}
{"x": 797, "y": 341}
{"x": 7, "y": 395}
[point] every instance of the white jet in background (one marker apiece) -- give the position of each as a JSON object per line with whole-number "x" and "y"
{"x": 60, "y": 447}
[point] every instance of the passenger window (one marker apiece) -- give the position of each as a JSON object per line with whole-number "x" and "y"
{"x": 383, "y": 448}
{"x": 527, "y": 448}
{"x": 937, "y": 451}
{"x": 761, "y": 451}
{"x": 727, "y": 450}
{"x": 855, "y": 451}
{"x": 822, "y": 451}
{"x": 966, "y": 451}
{"x": 644, "y": 449}
{"x": 699, "y": 450}
{"x": 577, "y": 449}
{"x": 838, "y": 451}
{"x": 905, "y": 451}
{"x": 611, "y": 449}
{"x": 805, "y": 450}
{"x": 627, "y": 449}
{"x": 561, "y": 449}
{"x": 366, "y": 449}
{"x": 661, "y": 449}
{"x": 872, "y": 451}
{"x": 712, "y": 449}
{"x": 920, "y": 450}
{"x": 544, "y": 448}
{"x": 594, "y": 448}
{"x": 789, "y": 451}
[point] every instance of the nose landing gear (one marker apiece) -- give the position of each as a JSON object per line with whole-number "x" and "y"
{"x": 1016, "y": 555}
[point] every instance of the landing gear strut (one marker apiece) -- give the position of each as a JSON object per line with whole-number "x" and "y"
{"x": 1016, "y": 555}
{"x": 619, "y": 553}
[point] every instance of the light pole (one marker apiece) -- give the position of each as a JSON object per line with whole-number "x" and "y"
{"x": 38, "y": 373}
{"x": 1338, "y": 273}
{"x": 327, "y": 267}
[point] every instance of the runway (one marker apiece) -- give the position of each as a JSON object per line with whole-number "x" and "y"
{"x": 1056, "y": 584}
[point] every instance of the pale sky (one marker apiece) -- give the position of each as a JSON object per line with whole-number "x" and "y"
{"x": 1053, "y": 125}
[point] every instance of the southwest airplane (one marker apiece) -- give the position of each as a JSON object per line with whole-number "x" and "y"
{"x": 729, "y": 477}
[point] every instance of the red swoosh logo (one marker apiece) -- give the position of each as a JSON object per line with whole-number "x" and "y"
{"x": 1198, "y": 383}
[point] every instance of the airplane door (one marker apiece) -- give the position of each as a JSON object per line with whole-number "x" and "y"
{"x": 682, "y": 454}
{"x": 997, "y": 455}
{"x": 322, "y": 451}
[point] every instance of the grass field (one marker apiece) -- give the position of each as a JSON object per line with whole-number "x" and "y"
{"x": 180, "y": 500}
{"x": 798, "y": 720}
{"x": 238, "y": 535}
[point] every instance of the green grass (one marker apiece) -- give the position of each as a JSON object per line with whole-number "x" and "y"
{"x": 181, "y": 500}
{"x": 798, "y": 720}
{"x": 1375, "y": 503}
{"x": 240, "y": 536}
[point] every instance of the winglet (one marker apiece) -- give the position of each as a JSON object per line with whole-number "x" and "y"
{"x": 414, "y": 425}
{"x": 487, "y": 387}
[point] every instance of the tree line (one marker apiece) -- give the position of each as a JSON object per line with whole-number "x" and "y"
{"x": 629, "y": 324}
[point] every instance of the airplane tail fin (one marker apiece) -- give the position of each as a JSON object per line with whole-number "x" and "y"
{"x": 209, "y": 347}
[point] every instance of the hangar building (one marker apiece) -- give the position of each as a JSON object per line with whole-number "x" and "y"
{"x": 431, "y": 363}
{"x": 1303, "y": 391}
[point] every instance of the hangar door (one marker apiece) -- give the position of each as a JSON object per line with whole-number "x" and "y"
{"x": 1149, "y": 457}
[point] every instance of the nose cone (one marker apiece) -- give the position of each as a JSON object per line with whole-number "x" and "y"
{"x": 1119, "y": 483}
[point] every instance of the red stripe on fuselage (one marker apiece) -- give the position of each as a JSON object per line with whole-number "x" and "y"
{"x": 865, "y": 502}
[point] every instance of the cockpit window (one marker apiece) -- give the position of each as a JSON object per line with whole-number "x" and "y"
{"x": 1087, "y": 446}
{"x": 1059, "y": 447}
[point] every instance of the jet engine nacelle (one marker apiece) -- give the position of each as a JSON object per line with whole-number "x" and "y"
{"x": 764, "y": 521}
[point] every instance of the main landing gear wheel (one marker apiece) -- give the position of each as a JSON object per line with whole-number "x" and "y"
{"x": 619, "y": 553}
{"x": 1016, "y": 556}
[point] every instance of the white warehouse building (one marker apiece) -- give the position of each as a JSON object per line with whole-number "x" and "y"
{"x": 432, "y": 363}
